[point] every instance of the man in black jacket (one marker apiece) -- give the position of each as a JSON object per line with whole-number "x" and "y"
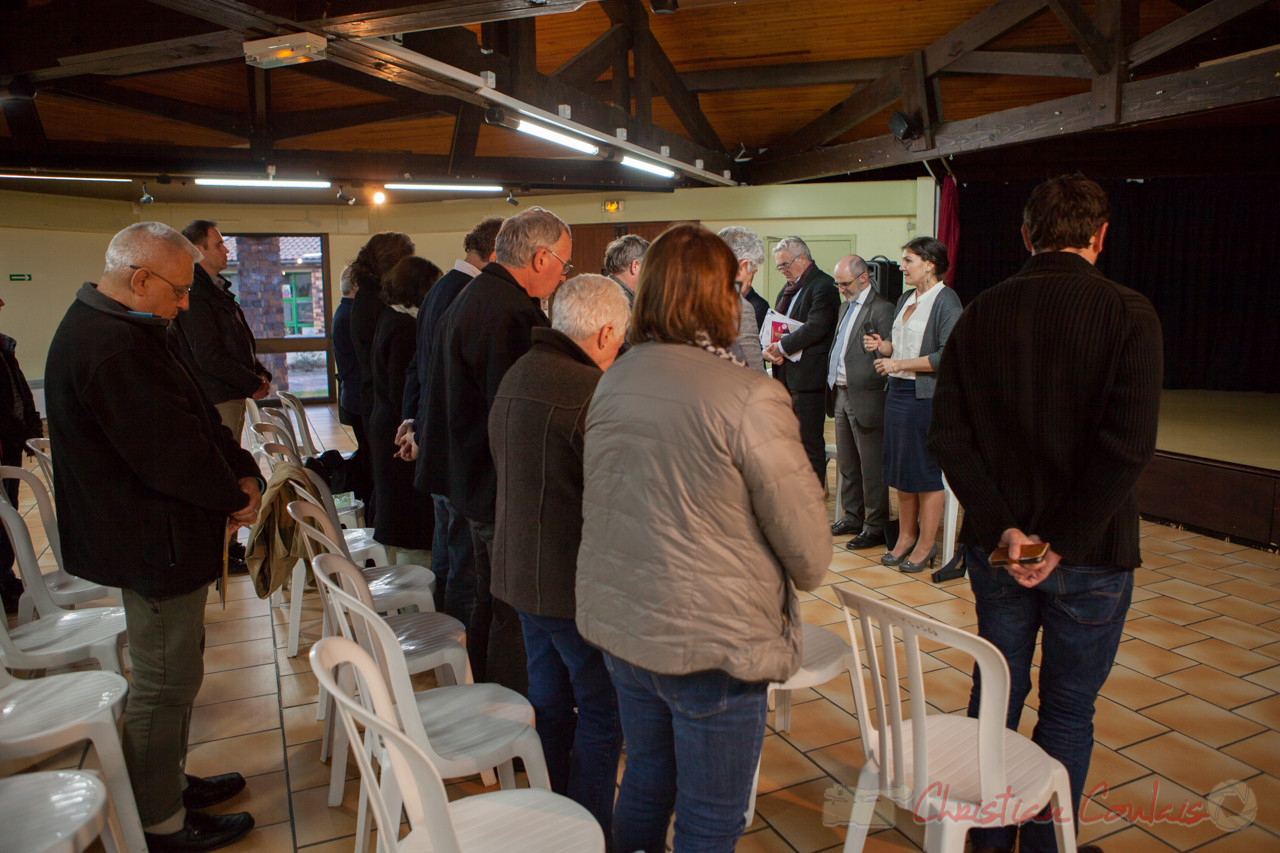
{"x": 1044, "y": 417}
{"x": 535, "y": 432}
{"x": 482, "y": 334}
{"x": 147, "y": 484}
{"x": 811, "y": 298}
{"x": 215, "y": 336}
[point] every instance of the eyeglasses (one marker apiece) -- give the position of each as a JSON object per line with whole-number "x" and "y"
{"x": 565, "y": 266}
{"x": 781, "y": 267}
{"x": 180, "y": 292}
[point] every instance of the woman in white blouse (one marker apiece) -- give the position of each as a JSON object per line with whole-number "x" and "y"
{"x": 923, "y": 320}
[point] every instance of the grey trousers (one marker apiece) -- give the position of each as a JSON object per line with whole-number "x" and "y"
{"x": 166, "y": 647}
{"x": 859, "y": 454}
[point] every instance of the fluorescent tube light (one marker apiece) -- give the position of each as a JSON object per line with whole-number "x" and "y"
{"x": 558, "y": 138}
{"x": 446, "y": 188}
{"x": 290, "y": 49}
{"x": 651, "y": 168}
{"x": 284, "y": 185}
{"x": 67, "y": 178}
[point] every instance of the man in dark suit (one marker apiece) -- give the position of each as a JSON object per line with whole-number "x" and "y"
{"x": 856, "y": 401}
{"x": 811, "y": 298}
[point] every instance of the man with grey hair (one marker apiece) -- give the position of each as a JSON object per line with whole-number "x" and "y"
{"x": 622, "y": 260}
{"x": 148, "y": 486}
{"x": 811, "y": 298}
{"x": 748, "y": 248}
{"x": 536, "y": 435}
{"x": 856, "y": 400}
{"x": 486, "y": 329}
{"x": 747, "y": 346}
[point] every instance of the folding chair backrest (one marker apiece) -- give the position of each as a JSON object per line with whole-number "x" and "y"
{"x": 276, "y": 451}
{"x": 885, "y": 744}
{"x": 20, "y": 538}
{"x": 425, "y": 800}
{"x": 268, "y": 431}
{"x": 44, "y": 505}
{"x": 316, "y": 493}
{"x": 44, "y": 458}
{"x": 294, "y": 406}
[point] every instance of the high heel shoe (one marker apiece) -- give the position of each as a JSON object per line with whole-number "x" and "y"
{"x": 887, "y": 559}
{"x": 908, "y": 566}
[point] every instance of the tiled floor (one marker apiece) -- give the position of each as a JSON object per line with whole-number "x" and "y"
{"x": 1193, "y": 702}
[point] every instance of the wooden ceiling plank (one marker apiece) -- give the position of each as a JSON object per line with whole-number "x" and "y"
{"x": 586, "y": 66}
{"x": 1022, "y": 64}
{"x": 865, "y": 102}
{"x": 443, "y": 13}
{"x": 1230, "y": 83}
{"x": 306, "y": 122}
{"x": 1081, "y": 28}
{"x": 683, "y": 102}
{"x": 978, "y": 31}
{"x": 97, "y": 90}
{"x": 787, "y": 76}
{"x": 1190, "y": 26}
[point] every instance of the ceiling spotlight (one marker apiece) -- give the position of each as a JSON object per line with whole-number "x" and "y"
{"x": 344, "y": 197}
{"x": 147, "y": 197}
{"x": 511, "y": 200}
{"x": 904, "y": 127}
{"x": 663, "y": 7}
{"x": 379, "y": 197}
{"x": 290, "y": 49}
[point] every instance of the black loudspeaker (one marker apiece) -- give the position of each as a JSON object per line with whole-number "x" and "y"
{"x": 886, "y": 277}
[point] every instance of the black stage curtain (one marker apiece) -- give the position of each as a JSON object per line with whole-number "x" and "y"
{"x": 1205, "y": 251}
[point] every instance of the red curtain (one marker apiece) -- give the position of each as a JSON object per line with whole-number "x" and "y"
{"x": 949, "y": 224}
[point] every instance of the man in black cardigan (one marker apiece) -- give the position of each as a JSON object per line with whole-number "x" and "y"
{"x": 811, "y": 298}
{"x": 536, "y": 434}
{"x": 482, "y": 334}
{"x": 147, "y": 479}
{"x": 1043, "y": 419}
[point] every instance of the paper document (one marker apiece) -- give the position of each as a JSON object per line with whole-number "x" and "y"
{"x": 775, "y": 326}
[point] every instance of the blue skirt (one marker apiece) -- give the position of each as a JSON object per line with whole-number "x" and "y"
{"x": 908, "y": 467}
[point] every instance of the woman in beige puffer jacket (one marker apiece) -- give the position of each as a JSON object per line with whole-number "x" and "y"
{"x": 701, "y": 517}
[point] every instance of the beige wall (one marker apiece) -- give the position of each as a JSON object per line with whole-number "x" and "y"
{"x": 60, "y": 241}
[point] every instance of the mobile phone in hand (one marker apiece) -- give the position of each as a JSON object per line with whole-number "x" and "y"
{"x": 1032, "y": 552}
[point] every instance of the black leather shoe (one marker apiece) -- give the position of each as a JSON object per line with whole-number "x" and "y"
{"x": 865, "y": 540}
{"x": 202, "y": 831}
{"x": 211, "y": 790}
{"x": 845, "y": 526}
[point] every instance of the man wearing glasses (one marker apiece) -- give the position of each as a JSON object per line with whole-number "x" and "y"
{"x": 215, "y": 336}
{"x": 811, "y": 298}
{"x": 486, "y": 329}
{"x": 147, "y": 484}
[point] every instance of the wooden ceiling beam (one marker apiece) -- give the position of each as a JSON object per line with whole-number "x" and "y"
{"x": 140, "y": 59}
{"x": 682, "y": 102}
{"x": 306, "y": 122}
{"x": 443, "y": 13}
{"x": 97, "y": 90}
{"x": 25, "y": 126}
{"x": 1190, "y": 26}
{"x": 1081, "y": 28}
{"x": 466, "y": 133}
{"x": 239, "y": 17}
{"x": 977, "y": 32}
{"x": 1229, "y": 83}
{"x": 1017, "y": 63}
{"x": 586, "y": 66}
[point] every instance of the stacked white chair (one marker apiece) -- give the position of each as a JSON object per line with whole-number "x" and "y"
{"x": 952, "y": 771}
{"x": 56, "y": 637}
{"x": 61, "y": 811}
{"x": 293, "y": 406}
{"x": 46, "y": 714}
{"x": 526, "y": 819}
{"x": 40, "y": 448}
{"x": 65, "y": 589}
{"x": 269, "y": 431}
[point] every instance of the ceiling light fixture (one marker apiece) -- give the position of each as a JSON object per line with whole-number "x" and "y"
{"x": 651, "y": 168}
{"x": 558, "y": 138}
{"x": 511, "y": 200}
{"x": 446, "y": 188}
{"x": 344, "y": 197}
{"x": 147, "y": 198}
{"x": 290, "y": 49}
{"x": 67, "y": 178}
{"x": 273, "y": 184}
{"x": 379, "y": 197}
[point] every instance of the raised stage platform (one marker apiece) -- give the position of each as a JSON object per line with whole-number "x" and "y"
{"x": 1217, "y": 465}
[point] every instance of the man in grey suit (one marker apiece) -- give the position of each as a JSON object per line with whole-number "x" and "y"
{"x": 856, "y": 401}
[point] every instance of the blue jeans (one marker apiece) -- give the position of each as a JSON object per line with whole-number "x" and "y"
{"x": 693, "y": 744}
{"x": 452, "y": 561}
{"x": 581, "y": 746}
{"x": 1081, "y": 611}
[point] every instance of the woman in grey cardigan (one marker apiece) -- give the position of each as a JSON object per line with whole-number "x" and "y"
{"x": 923, "y": 320}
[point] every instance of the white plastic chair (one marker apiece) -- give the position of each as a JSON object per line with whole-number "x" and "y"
{"x": 275, "y": 451}
{"x": 65, "y": 589}
{"x": 45, "y": 714}
{"x": 56, "y": 637}
{"x": 39, "y": 447}
{"x": 270, "y": 431}
{"x": 60, "y": 811}
{"x": 394, "y": 587}
{"x": 525, "y": 819}
{"x": 952, "y": 771}
{"x": 428, "y": 641}
{"x": 292, "y": 405}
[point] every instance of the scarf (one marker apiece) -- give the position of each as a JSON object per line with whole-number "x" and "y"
{"x": 702, "y": 339}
